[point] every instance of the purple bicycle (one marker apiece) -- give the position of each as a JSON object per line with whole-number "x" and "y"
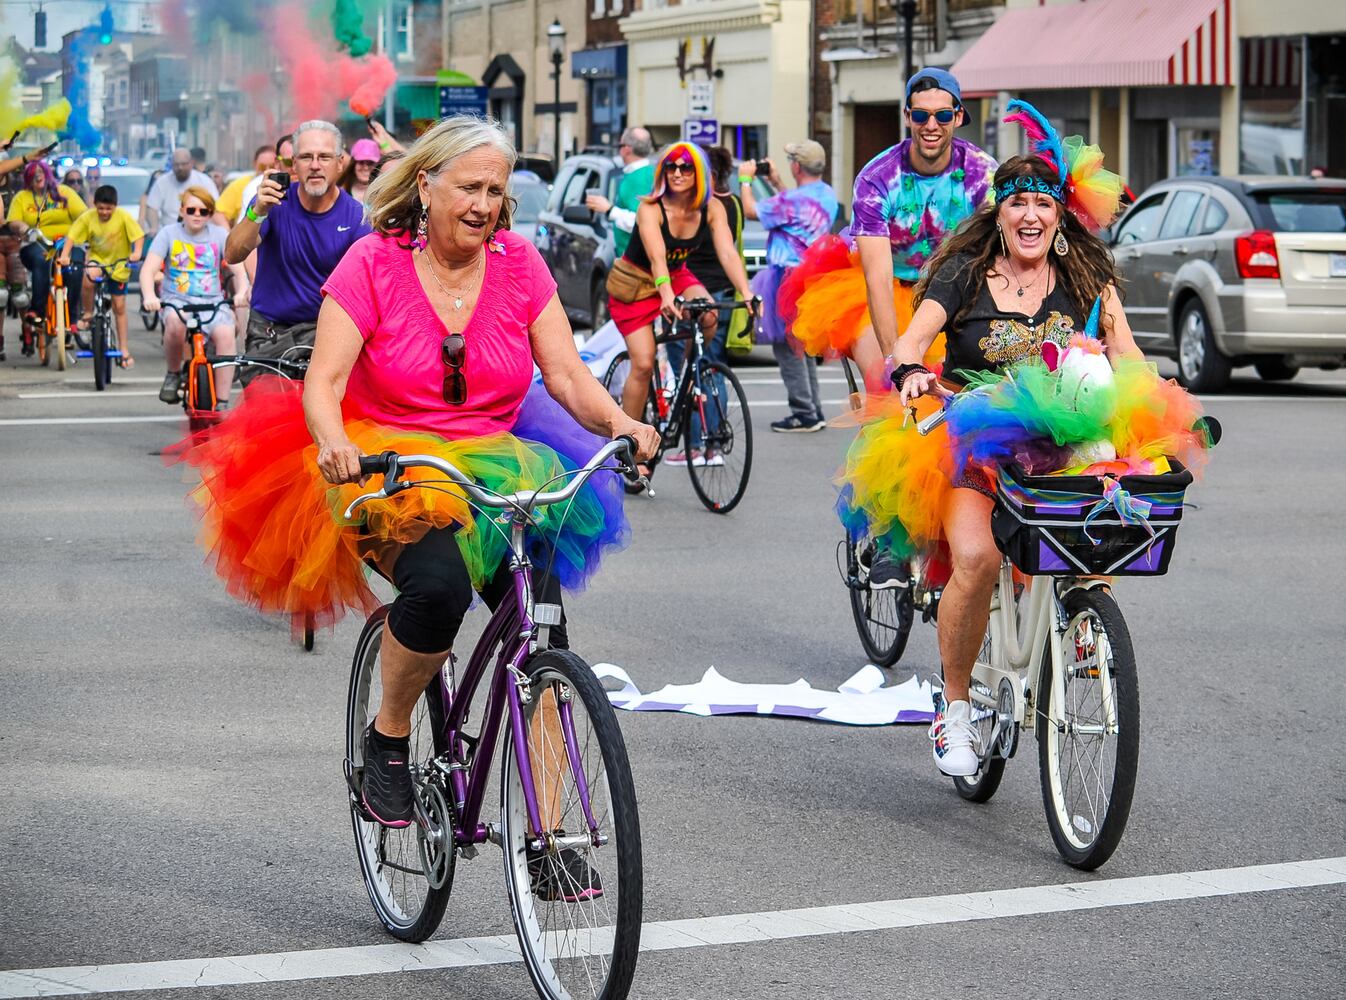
{"x": 569, "y": 827}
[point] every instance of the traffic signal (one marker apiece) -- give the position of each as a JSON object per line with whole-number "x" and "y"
{"x": 105, "y": 26}
{"x": 40, "y": 30}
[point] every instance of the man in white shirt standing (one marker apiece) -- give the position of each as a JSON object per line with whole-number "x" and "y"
{"x": 637, "y": 182}
{"x": 165, "y": 194}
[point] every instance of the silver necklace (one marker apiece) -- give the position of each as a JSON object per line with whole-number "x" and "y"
{"x": 457, "y": 297}
{"x": 1014, "y": 271}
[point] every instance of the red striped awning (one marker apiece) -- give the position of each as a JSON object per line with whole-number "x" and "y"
{"x": 1272, "y": 62}
{"x": 1104, "y": 43}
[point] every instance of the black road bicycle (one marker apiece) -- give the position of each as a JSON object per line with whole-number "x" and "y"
{"x": 705, "y": 408}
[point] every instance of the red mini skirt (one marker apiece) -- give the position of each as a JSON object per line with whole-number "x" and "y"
{"x": 631, "y": 316}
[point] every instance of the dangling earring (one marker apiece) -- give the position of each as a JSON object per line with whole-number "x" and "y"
{"x": 423, "y": 229}
{"x": 1004, "y": 250}
{"x": 1059, "y": 244}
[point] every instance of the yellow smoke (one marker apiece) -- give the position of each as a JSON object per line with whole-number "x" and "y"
{"x": 11, "y": 110}
{"x": 53, "y": 118}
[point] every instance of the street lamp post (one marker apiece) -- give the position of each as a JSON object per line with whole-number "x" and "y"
{"x": 906, "y": 9}
{"x": 145, "y": 132}
{"x": 556, "y": 41}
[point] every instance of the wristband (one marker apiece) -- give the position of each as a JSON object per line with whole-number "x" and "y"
{"x": 662, "y": 280}
{"x": 251, "y": 213}
{"x": 744, "y": 180}
{"x": 900, "y": 375}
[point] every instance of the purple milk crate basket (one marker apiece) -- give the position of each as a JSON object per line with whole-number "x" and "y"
{"x": 1066, "y": 526}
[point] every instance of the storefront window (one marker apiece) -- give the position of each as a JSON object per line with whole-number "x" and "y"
{"x": 1271, "y": 116}
{"x": 1325, "y": 107}
{"x": 1196, "y": 150}
{"x": 746, "y": 142}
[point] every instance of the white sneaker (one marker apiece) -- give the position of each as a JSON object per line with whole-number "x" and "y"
{"x": 956, "y": 740}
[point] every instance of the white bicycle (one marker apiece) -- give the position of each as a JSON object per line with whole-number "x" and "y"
{"x": 1057, "y": 660}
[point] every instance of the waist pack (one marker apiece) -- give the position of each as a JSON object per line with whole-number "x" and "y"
{"x": 628, "y": 283}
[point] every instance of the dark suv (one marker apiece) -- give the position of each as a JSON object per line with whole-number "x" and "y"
{"x": 577, "y": 244}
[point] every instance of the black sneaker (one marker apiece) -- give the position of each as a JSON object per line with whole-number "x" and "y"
{"x": 171, "y": 391}
{"x": 885, "y": 574}
{"x": 795, "y": 424}
{"x": 385, "y": 788}
{"x": 565, "y": 876}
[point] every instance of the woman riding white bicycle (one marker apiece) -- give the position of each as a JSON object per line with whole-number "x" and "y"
{"x": 1025, "y": 271}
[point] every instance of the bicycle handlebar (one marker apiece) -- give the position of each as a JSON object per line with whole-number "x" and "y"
{"x": 204, "y": 310}
{"x": 699, "y": 307}
{"x": 390, "y": 464}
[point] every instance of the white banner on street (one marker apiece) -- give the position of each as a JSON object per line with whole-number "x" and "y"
{"x": 862, "y": 700}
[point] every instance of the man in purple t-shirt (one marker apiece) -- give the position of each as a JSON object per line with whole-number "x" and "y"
{"x": 300, "y": 234}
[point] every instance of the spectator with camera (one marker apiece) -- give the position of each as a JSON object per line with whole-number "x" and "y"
{"x": 300, "y": 230}
{"x": 794, "y": 218}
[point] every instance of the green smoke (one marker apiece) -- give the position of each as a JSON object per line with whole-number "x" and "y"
{"x": 349, "y": 27}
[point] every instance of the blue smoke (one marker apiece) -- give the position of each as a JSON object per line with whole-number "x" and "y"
{"x": 82, "y": 47}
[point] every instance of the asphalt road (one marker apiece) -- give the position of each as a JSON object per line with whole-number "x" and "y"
{"x": 173, "y": 759}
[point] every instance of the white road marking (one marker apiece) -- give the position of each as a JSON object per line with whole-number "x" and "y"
{"x": 146, "y": 380}
{"x": 36, "y": 421}
{"x": 90, "y": 394}
{"x": 667, "y": 935}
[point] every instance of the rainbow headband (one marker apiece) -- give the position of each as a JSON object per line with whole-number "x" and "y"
{"x": 1091, "y": 193}
{"x": 702, "y": 169}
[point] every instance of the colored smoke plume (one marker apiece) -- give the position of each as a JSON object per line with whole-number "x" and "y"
{"x": 320, "y": 76}
{"x": 348, "y": 24}
{"x": 53, "y": 118}
{"x": 78, "y": 127}
{"x": 11, "y": 111}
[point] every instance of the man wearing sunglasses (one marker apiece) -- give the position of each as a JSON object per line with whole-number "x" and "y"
{"x": 907, "y": 199}
{"x": 300, "y": 231}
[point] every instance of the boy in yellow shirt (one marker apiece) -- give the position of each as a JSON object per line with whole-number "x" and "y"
{"x": 115, "y": 241}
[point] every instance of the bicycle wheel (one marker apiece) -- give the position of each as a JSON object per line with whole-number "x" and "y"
{"x": 882, "y": 617}
{"x": 1088, "y": 763}
{"x": 722, "y": 420}
{"x": 102, "y": 364}
{"x": 981, "y": 786}
{"x": 614, "y": 380}
{"x": 587, "y": 946}
{"x": 406, "y": 903}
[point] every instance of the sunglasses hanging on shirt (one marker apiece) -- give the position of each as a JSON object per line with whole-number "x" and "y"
{"x": 451, "y": 352}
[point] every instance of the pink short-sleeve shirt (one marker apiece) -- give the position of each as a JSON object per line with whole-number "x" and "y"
{"x": 398, "y": 378}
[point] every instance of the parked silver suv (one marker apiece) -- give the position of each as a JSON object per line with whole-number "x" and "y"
{"x": 1223, "y": 272}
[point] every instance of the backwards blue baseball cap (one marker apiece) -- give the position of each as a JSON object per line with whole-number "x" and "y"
{"x": 941, "y": 78}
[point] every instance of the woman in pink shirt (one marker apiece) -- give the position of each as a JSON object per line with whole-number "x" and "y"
{"x": 428, "y": 334}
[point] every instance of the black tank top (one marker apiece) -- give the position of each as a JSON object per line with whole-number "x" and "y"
{"x": 676, "y": 251}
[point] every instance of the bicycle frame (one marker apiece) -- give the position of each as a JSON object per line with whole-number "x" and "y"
{"x": 515, "y": 632}
{"x": 673, "y": 419}
{"x": 1020, "y": 628}
{"x": 519, "y": 626}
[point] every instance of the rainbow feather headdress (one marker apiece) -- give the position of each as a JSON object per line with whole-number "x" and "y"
{"x": 1091, "y": 192}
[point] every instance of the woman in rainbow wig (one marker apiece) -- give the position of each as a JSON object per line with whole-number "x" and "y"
{"x": 1026, "y": 295}
{"x": 673, "y": 221}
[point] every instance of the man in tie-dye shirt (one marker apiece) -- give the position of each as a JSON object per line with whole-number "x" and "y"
{"x": 794, "y": 220}
{"x": 909, "y": 197}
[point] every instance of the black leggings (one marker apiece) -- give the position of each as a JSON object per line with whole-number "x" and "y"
{"x": 435, "y": 591}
